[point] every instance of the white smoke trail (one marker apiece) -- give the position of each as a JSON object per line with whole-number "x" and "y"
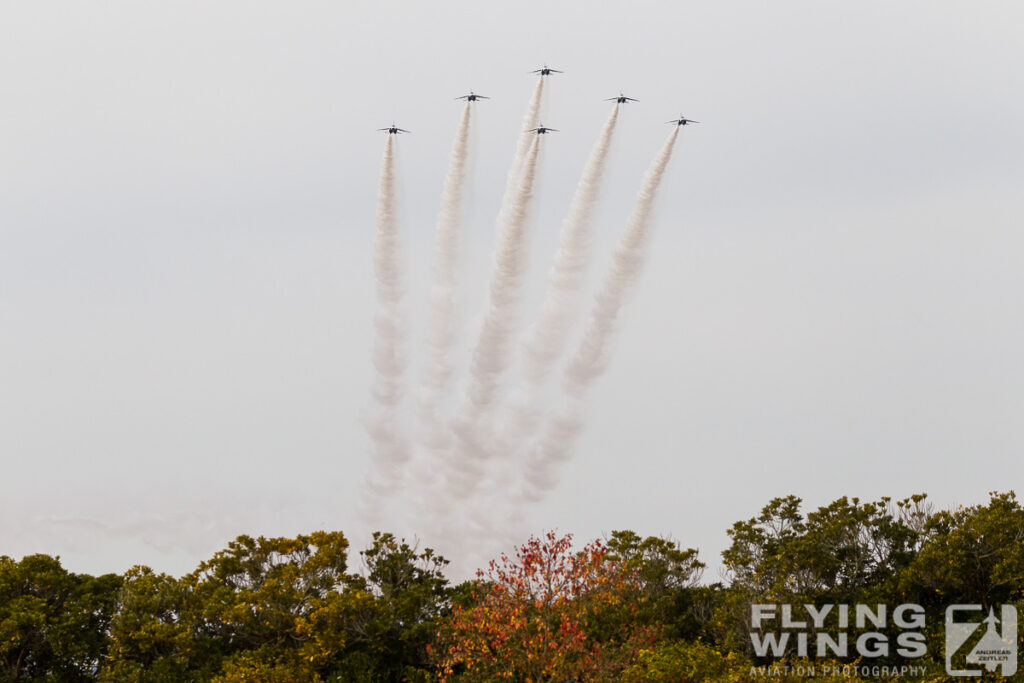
{"x": 492, "y": 355}
{"x": 523, "y": 144}
{"x": 462, "y": 470}
{"x": 591, "y": 357}
{"x": 389, "y": 446}
{"x": 443, "y": 322}
{"x": 546, "y": 338}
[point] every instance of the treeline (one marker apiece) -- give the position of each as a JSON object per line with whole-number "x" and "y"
{"x": 624, "y": 608}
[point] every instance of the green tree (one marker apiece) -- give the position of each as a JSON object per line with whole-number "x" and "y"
{"x": 836, "y": 553}
{"x": 152, "y": 635}
{"x": 251, "y": 594}
{"x": 669, "y": 578}
{"x": 971, "y": 554}
{"x": 844, "y": 552}
{"x": 243, "y": 613}
{"x": 53, "y": 623}
{"x": 409, "y": 594}
{"x": 675, "y": 661}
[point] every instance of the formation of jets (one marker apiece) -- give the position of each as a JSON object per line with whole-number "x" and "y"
{"x": 541, "y": 129}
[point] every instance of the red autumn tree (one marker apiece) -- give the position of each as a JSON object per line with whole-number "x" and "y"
{"x": 549, "y": 614}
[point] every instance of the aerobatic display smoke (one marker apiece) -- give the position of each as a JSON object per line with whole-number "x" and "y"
{"x": 546, "y": 338}
{"x": 490, "y": 357}
{"x": 523, "y": 143}
{"x": 443, "y": 323}
{"x": 390, "y": 448}
{"x": 593, "y": 353}
{"x": 463, "y": 476}
{"x": 492, "y": 353}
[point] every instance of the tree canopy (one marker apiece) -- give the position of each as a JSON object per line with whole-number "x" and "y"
{"x": 623, "y": 608}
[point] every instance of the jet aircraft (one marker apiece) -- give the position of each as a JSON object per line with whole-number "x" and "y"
{"x": 682, "y": 121}
{"x": 394, "y": 130}
{"x": 542, "y": 129}
{"x": 621, "y": 99}
{"x": 545, "y": 71}
{"x": 472, "y": 97}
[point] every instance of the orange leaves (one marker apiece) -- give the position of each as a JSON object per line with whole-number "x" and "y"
{"x": 532, "y": 616}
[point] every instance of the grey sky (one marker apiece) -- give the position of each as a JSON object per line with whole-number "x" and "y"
{"x": 833, "y": 305}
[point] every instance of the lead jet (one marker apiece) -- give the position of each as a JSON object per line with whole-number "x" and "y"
{"x": 621, "y": 99}
{"x": 545, "y": 71}
{"x": 542, "y": 129}
{"x": 472, "y": 97}
{"x": 682, "y": 121}
{"x": 394, "y": 130}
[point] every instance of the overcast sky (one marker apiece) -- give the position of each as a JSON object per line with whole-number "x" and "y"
{"x": 187, "y": 192}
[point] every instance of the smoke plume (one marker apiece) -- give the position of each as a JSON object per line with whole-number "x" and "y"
{"x": 443, "y": 315}
{"x": 389, "y": 446}
{"x": 546, "y": 338}
{"x": 492, "y": 353}
{"x": 523, "y": 144}
{"x": 593, "y": 353}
